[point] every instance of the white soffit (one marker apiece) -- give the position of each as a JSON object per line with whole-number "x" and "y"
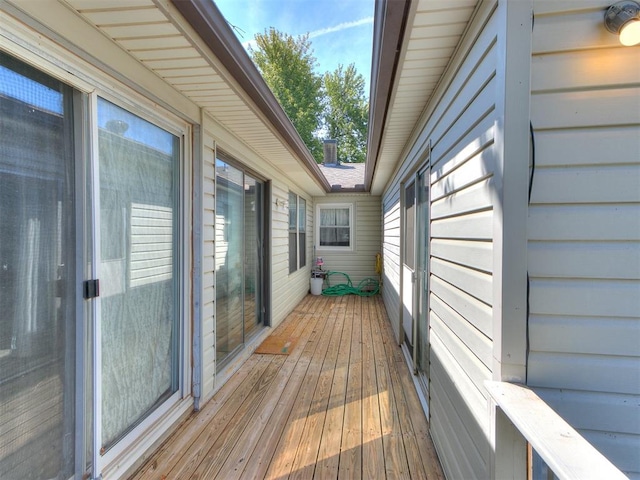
{"x": 149, "y": 34}
{"x": 433, "y": 31}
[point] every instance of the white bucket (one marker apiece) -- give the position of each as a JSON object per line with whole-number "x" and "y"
{"x": 316, "y": 286}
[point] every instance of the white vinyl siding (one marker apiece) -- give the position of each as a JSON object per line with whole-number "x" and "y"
{"x": 207, "y": 341}
{"x": 465, "y": 156}
{"x": 584, "y": 228}
{"x": 287, "y": 289}
{"x": 391, "y": 258}
{"x": 358, "y": 262}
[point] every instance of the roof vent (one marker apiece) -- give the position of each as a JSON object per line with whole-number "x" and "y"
{"x": 330, "y": 152}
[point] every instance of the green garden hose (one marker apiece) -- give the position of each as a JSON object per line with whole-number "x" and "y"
{"x": 366, "y": 288}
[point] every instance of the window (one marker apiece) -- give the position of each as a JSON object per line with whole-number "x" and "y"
{"x": 409, "y": 225}
{"x": 335, "y": 223}
{"x": 297, "y": 232}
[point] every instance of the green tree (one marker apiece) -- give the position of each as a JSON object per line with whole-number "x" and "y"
{"x": 287, "y": 65}
{"x": 346, "y": 112}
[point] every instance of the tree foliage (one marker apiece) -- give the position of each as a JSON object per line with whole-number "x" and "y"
{"x": 287, "y": 65}
{"x": 333, "y": 105}
{"x": 346, "y": 112}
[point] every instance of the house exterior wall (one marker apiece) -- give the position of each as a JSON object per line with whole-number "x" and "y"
{"x": 57, "y": 41}
{"x": 37, "y": 35}
{"x": 460, "y": 125}
{"x": 391, "y": 256}
{"x": 474, "y": 136}
{"x": 287, "y": 290}
{"x": 584, "y": 227}
{"x": 360, "y": 262}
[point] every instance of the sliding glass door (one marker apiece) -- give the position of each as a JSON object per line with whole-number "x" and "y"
{"x": 38, "y": 284}
{"x": 240, "y": 267}
{"x": 139, "y": 299}
{"x": 73, "y": 385}
{"x": 422, "y": 353}
{"x": 415, "y": 275}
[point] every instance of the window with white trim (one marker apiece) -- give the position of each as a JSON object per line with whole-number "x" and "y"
{"x": 297, "y": 232}
{"x": 334, "y": 230}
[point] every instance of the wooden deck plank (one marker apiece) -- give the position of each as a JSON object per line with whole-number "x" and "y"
{"x": 190, "y": 431}
{"x": 198, "y": 450}
{"x": 341, "y": 405}
{"x": 414, "y": 462}
{"x": 417, "y": 421}
{"x": 329, "y": 452}
{"x": 259, "y": 461}
{"x": 372, "y": 451}
{"x": 245, "y": 459}
{"x": 228, "y": 437}
{"x": 396, "y": 465}
{"x": 351, "y": 449}
{"x": 307, "y": 454}
{"x": 282, "y": 461}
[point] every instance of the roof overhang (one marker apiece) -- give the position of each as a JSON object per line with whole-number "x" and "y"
{"x": 390, "y": 18}
{"x": 414, "y": 43}
{"x": 213, "y": 28}
{"x": 183, "y": 55}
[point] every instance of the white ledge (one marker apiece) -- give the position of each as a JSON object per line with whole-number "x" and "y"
{"x": 563, "y": 449}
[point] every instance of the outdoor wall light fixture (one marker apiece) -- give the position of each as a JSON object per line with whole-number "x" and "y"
{"x": 280, "y": 203}
{"x": 623, "y": 18}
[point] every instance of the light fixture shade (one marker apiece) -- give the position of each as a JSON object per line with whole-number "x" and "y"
{"x": 623, "y": 18}
{"x": 630, "y": 33}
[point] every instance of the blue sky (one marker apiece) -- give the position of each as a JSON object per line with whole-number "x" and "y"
{"x": 340, "y": 31}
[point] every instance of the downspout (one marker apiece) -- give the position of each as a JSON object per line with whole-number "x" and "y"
{"x": 196, "y": 229}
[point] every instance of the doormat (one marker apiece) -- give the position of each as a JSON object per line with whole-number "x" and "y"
{"x": 277, "y": 345}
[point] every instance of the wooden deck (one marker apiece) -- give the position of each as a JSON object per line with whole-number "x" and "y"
{"x": 341, "y": 405}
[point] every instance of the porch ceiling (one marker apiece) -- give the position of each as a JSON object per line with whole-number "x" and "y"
{"x": 430, "y": 37}
{"x": 156, "y": 33}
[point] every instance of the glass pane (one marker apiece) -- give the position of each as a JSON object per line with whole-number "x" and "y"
{"x": 293, "y": 241}
{"x": 302, "y": 240}
{"x": 37, "y": 269}
{"x": 409, "y": 226}
{"x": 302, "y": 215}
{"x": 293, "y": 205}
{"x": 139, "y": 282}
{"x": 252, "y": 228}
{"x": 342, "y": 217}
{"x": 335, "y": 237}
{"x": 422, "y": 214}
{"x": 229, "y": 258}
{"x": 302, "y": 227}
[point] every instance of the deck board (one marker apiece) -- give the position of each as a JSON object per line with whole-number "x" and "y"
{"x": 340, "y": 405}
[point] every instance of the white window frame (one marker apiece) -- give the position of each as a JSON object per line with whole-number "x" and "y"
{"x": 352, "y": 230}
{"x": 298, "y": 231}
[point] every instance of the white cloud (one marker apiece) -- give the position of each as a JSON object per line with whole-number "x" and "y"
{"x": 340, "y": 27}
{"x": 324, "y": 31}
{"x": 250, "y": 43}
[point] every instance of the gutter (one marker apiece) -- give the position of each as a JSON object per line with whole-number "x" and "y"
{"x": 214, "y": 30}
{"x": 390, "y": 20}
